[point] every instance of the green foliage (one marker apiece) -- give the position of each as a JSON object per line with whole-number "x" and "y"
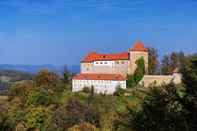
{"x": 38, "y": 97}
{"x": 66, "y": 75}
{"x": 119, "y": 91}
{"x": 86, "y": 90}
{"x": 169, "y": 107}
{"x": 47, "y": 103}
{"x": 132, "y": 80}
{"x": 161, "y": 111}
{"x": 140, "y": 71}
{"x": 35, "y": 117}
{"x": 189, "y": 72}
{"x": 83, "y": 127}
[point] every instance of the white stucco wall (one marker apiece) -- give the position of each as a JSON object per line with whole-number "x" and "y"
{"x": 106, "y": 67}
{"x": 103, "y": 63}
{"x": 100, "y": 86}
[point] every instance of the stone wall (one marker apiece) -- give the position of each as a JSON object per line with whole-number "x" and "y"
{"x": 157, "y": 80}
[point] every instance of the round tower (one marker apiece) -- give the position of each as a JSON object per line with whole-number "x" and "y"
{"x": 136, "y": 52}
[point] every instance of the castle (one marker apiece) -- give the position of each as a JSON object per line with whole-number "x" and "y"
{"x": 120, "y": 63}
{"x": 106, "y": 72}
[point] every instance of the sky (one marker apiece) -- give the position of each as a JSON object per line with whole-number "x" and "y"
{"x": 58, "y": 32}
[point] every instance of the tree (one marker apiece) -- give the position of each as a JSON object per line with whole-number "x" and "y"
{"x": 20, "y": 90}
{"x": 189, "y": 72}
{"x": 166, "y": 68}
{"x": 171, "y": 62}
{"x": 66, "y": 75}
{"x": 168, "y": 107}
{"x": 46, "y": 79}
{"x": 38, "y": 97}
{"x": 132, "y": 80}
{"x": 152, "y": 61}
{"x": 35, "y": 117}
{"x": 161, "y": 111}
{"x": 72, "y": 113}
{"x": 140, "y": 71}
{"x": 83, "y": 127}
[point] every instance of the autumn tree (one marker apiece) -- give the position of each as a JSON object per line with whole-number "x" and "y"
{"x": 152, "y": 61}
{"x": 165, "y": 65}
{"x": 46, "y": 79}
{"x": 83, "y": 127}
{"x": 171, "y": 62}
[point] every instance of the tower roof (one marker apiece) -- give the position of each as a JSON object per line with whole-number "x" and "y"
{"x": 138, "y": 46}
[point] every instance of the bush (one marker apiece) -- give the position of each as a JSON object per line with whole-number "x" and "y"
{"x": 119, "y": 91}
{"x": 83, "y": 127}
{"x": 38, "y": 97}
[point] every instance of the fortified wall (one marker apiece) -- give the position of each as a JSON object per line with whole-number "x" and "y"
{"x": 158, "y": 80}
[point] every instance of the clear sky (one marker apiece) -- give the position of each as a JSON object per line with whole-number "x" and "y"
{"x": 62, "y": 31}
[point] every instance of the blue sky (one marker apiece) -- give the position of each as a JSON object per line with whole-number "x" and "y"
{"x": 61, "y": 32}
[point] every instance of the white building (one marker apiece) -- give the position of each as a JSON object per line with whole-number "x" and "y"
{"x": 102, "y": 83}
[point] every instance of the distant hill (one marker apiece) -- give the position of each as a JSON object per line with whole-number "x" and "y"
{"x": 35, "y": 68}
{"x": 9, "y": 76}
{"x": 74, "y": 68}
{"x": 28, "y": 68}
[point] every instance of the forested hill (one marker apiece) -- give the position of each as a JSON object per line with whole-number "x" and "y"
{"x": 33, "y": 69}
{"x": 9, "y": 76}
{"x": 13, "y": 75}
{"x": 27, "y": 68}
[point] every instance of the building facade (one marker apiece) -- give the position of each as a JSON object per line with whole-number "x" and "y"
{"x": 102, "y": 83}
{"x": 106, "y": 72}
{"x": 120, "y": 63}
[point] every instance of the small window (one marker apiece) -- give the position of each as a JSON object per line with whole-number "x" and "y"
{"x": 105, "y": 62}
{"x": 122, "y": 62}
{"x": 101, "y": 62}
{"x": 96, "y": 62}
{"x": 117, "y": 62}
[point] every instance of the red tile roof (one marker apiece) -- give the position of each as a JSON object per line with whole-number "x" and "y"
{"x": 90, "y": 76}
{"x": 138, "y": 46}
{"x": 93, "y": 56}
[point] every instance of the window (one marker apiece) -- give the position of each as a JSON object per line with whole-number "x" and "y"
{"x": 117, "y": 62}
{"x": 101, "y": 62}
{"x": 105, "y": 62}
{"x": 122, "y": 62}
{"x": 96, "y": 62}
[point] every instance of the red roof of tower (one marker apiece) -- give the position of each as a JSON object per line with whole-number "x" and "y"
{"x": 93, "y": 56}
{"x": 138, "y": 46}
{"x": 91, "y": 76}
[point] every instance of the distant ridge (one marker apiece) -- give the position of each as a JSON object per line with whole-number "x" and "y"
{"x": 35, "y": 68}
